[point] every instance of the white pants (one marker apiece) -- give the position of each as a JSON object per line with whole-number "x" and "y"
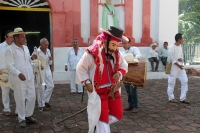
{"x": 181, "y": 75}
{"x": 24, "y": 94}
{"x": 44, "y": 95}
{"x": 6, "y": 98}
{"x": 73, "y": 82}
{"x": 103, "y": 127}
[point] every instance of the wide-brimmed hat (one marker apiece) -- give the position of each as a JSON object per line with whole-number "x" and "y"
{"x": 42, "y": 62}
{"x": 153, "y": 44}
{"x": 17, "y": 31}
{"x": 115, "y": 32}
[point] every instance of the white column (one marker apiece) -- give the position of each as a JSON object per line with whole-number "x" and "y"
{"x": 168, "y": 21}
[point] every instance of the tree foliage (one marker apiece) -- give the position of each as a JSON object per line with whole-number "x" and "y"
{"x": 189, "y": 20}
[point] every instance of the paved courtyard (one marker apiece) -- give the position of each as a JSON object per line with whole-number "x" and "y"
{"x": 156, "y": 115}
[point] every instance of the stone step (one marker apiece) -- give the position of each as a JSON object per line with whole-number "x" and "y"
{"x": 157, "y": 75}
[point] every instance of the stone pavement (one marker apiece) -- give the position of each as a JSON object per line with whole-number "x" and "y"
{"x": 156, "y": 115}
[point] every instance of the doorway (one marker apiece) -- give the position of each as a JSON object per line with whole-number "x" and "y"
{"x": 32, "y": 21}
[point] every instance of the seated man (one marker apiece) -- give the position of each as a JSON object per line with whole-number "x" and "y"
{"x": 153, "y": 57}
{"x": 164, "y": 53}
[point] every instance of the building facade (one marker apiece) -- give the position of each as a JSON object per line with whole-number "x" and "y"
{"x": 144, "y": 21}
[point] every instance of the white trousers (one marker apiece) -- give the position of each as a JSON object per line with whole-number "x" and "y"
{"x": 103, "y": 127}
{"x": 44, "y": 95}
{"x": 6, "y": 98}
{"x": 24, "y": 94}
{"x": 73, "y": 82}
{"x": 181, "y": 75}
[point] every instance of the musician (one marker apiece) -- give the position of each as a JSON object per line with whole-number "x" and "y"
{"x": 74, "y": 55}
{"x": 44, "y": 95}
{"x": 132, "y": 90}
{"x": 21, "y": 76}
{"x": 175, "y": 56}
{"x": 5, "y": 90}
{"x": 100, "y": 69}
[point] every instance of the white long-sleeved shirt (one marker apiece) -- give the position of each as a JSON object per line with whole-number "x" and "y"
{"x": 152, "y": 53}
{"x": 18, "y": 61}
{"x": 73, "y": 59}
{"x": 163, "y": 52}
{"x": 46, "y": 56}
{"x": 3, "y": 48}
{"x": 135, "y": 51}
{"x": 175, "y": 52}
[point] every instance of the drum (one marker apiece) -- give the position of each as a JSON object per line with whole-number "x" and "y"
{"x": 136, "y": 74}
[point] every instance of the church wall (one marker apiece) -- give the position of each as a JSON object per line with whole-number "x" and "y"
{"x": 163, "y": 27}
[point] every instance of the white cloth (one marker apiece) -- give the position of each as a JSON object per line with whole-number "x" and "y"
{"x": 153, "y": 53}
{"x": 85, "y": 70}
{"x": 73, "y": 59}
{"x": 174, "y": 53}
{"x": 163, "y": 52}
{"x": 103, "y": 127}
{"x": 5, "y": 90}
{"x": 24, "y": 94}
{"x": 135, "y": 51}
{"x": 18, "y": 61}
{"x": 44, "y": 95}
{"x": 6, "y": 98}
{"x": 73, "y": 82}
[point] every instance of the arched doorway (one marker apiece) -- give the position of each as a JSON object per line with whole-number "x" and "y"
{"x": 31, "y": 15}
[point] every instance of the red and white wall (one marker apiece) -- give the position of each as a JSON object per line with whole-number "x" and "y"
{"x": 145, "y": 21}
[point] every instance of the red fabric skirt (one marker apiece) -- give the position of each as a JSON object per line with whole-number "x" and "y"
{"x": 109, "y": 106}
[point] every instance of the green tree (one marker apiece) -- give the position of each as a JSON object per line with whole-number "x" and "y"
{"x": 189, "y": 20}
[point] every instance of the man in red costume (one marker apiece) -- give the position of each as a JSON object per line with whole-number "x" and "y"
{"x": 100, "y": 70}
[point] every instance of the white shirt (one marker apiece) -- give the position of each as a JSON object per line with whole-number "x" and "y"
{"x": 135, "y": 51}
{"x": 175, "y": 52}
{"x": 46, "y": 56}
{"x": 18, "y": 61}
{"x": 3, "y": 48}
{"x": 73, "y": 59}
{"x": 152, "y": 53}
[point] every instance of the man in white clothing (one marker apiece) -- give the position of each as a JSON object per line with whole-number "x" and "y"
{"x": 74, "y": 55}
{"x": 18, "y": 63}
{"x": 175, "y": 56}
{"x": 5, "y": 90}
{"x": 153, "y": 57}
{"x": 44, "y": 95}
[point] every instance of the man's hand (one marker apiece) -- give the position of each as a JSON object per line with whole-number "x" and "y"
{"x": 89, "y": 87}
{"x": 50, "y": 58}
{"x": 180, "y": 59}
{"x": 33, "y": 57}
{"x": 22, "y": 77}
{"x": 116, "y": 76}
{"x": 180, "y": 66}
{"x": 66, "y": 68}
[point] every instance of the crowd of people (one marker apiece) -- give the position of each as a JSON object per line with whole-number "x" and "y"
{"x": 16, "y": 59}
{"x": 100, "y": 68}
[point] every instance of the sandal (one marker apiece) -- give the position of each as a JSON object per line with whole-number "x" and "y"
{"x": 31, "y": 120}
{"x": 7, "y": 113}
{"x": 22, "y": 124}
{"x": 48, "y": 105}
{"x": 173, "y": 101}
{"x": 185, "y": 101}
{"x": 128, "y": 108}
